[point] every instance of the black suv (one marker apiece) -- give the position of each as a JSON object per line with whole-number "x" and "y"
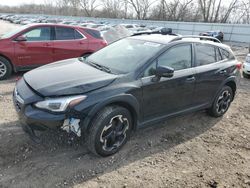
{"x": 131, "y": 83}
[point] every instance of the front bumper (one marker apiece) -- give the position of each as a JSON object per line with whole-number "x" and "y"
{"x": 35, "y": 118}
{"x": 23, "y": 98}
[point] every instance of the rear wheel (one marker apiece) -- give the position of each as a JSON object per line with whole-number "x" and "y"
{"x": 5, "y": 68}
{"x": 221, "y": 102}
{"x": 109, "y": 130}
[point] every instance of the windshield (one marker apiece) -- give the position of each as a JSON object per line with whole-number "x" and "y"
{"x": 13, "y": 32}
{"x": 125, "y": 55}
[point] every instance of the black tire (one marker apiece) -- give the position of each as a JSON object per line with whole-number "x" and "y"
{"x": 109, "y": 131}
{"x": 5, "y": 68}
{"x": 222, "y": 102}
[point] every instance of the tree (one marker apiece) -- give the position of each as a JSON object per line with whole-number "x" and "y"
{"x": 213, "y": 11}
{"x": 141, "y": 7}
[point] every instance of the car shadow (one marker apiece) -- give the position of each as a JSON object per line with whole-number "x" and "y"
{"x": 66, "y": 159}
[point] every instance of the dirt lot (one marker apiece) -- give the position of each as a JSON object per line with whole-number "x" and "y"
{"x": 191, "y": 151}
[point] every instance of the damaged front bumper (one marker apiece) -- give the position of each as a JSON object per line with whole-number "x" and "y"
{"x": 34, "y": 119}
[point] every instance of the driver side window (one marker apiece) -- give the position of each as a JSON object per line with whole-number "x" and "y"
{"x": 38, "y": 34}
{"x": 178, "y": 57}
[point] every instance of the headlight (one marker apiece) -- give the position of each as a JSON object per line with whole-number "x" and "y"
{"x": 60, "y": 104}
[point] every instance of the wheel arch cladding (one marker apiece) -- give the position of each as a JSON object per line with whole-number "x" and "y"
{"x": 127, "y": 101}
{"x": 232, "y": 85}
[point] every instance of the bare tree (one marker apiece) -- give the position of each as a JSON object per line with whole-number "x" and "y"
{"x": 89, "y": 6}
{"x": 141, "y": 7}
{"x": 178, "y": 9}
{"x": 244, "y": 9}
{"x": 213, "y": 11}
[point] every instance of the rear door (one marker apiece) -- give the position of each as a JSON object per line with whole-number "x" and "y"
{"x": 169, "y": 95}
{"x": 69, "y": 43}
{"x": 211, "y": 71}
{"x": 37, "y": 50}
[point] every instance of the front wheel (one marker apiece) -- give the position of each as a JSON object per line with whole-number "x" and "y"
{"x": 221, "y": 102}
{"x": 109, "y": 130}
{"x": 5, "y": 68}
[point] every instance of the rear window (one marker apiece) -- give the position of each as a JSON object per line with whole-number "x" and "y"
{"x": 94, "y": 33}
{"x": 78, "y": 35}
{"x": 226, "y": 55}
{"x": 64, "y": 33}
{"x": 205, "y": 54}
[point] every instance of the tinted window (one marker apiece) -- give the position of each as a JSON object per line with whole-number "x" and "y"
{"x": 179, "y": 57}
{"x": 205, "y": 54}
{"x": 150, "y": 70}
{"x": 218, "y": 54}
{"x": 78, "y": 35}
{"x": 93, "y": 33}
{"x": 226, "y": 55}
{"x": 64, "y": 33}
{"x": 38, "y": 34}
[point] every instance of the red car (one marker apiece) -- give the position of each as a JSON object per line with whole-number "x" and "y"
{"x": 39, "y": 44}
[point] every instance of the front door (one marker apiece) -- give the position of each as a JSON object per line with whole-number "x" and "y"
{"x": 169, "y": 95}
{"x": 37, "y": 49}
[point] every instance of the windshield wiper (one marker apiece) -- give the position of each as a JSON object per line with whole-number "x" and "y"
{"x": 100, "y": 67}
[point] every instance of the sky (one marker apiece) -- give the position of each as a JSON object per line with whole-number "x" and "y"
{"x": 19, "y": 2}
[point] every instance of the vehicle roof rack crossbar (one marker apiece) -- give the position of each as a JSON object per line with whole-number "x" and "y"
{"x": 163, "y": 31}
{"x": 196, "y": 36}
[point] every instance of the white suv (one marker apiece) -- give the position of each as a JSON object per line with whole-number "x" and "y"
{"x": 246, "y": 66}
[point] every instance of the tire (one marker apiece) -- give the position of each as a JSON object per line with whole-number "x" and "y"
{"x": 222, "y": 102}
{"x": 5, "y": 68}
{"x": 109, "y": 131}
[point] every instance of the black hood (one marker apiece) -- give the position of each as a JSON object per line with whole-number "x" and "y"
{"x": 67, "y": 77}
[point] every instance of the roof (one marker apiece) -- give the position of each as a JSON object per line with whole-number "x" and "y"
{"x": 158, "y": 38}
{"x": 166, "y": 39}
{"x": 57, "y": 24}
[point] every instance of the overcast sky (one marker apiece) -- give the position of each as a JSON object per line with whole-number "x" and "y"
{"x": 19, "y": 2}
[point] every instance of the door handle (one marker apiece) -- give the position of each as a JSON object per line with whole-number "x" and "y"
{"x": 47, "y": 44}
{"x": 190, "y": 79}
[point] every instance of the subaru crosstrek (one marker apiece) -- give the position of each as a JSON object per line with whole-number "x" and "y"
{"x": 134, "y": 82}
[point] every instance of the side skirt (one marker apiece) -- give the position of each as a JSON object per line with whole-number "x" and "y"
{"x": 179, "y": 113}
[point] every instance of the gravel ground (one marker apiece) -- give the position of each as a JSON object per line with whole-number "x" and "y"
{"x": 190, "y": 151}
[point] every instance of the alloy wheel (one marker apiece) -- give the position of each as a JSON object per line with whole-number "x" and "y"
{"x": 223, "y": 102}
{"x": 3, "y": 69}
{"x": 114, "y": 134}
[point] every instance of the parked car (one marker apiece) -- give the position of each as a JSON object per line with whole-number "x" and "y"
{"x": 39, "y": 44}
{"x": 216, "y": 34}
{"x": 129, "y": 84}
{"x": 246, "y": 67}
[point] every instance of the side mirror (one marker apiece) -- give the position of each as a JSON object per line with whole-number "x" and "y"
{"x": 163, "y": 71}
{"x": 21, "y": 39}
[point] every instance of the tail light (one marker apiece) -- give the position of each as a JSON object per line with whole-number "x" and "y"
{"x": 239, "y": 65}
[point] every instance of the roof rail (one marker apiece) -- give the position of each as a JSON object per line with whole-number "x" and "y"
{"x": 196, "y": 36}
{"x": 163, "y": 31}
